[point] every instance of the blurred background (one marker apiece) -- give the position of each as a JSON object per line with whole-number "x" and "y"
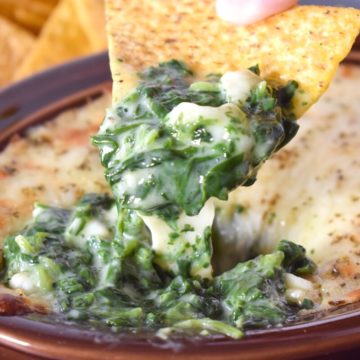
{"x": 344, "y": 3}
{"x": 37, "y": 34}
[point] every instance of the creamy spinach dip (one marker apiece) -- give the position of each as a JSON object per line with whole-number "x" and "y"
{"x": 143, "y": 259}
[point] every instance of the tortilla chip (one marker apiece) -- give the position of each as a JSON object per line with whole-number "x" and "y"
{"x": 62, "y": 38}
{"x": 30, "y": 14}
{"x": 305, "y": 43}
{"x": 15, "y": 44}
{"x": 91, "y": 14}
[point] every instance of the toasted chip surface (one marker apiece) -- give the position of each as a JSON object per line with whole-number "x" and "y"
{"x": 15, "y": 44}
{"x": 61, "y": 39}
{"x": 305, "y": 43}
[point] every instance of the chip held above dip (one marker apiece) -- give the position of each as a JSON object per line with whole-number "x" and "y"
{"x": 305, "y": 43}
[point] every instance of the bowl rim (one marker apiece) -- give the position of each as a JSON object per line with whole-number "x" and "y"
{"x": 40, "y": 98}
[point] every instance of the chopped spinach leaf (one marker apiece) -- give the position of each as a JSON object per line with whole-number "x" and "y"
{"x": 168, "y": 147}
{"x": 181, "y": 159}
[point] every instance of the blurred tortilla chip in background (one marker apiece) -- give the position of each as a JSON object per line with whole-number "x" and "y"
{"x": 66, "y": 29}
{"x": 91, "y": 15}
{"x": 67, "y": 34}
{"x": 15, "y": 45}
{"x": 61, "y": 39}
{"x": 31, "y": 14}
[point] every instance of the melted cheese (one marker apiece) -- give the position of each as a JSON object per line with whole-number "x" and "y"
{"x": 309, "y": 192}
{"x": 237, "y": 87}
{"x": 237, "y": 84}
{"x": 23, "y": 281}
{"x": 189, "y": 113}
{"x": 160, "y": 234}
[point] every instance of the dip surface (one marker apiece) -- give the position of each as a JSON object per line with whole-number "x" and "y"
{"x": 237, "y": 208}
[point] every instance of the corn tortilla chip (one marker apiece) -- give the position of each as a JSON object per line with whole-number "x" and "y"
{"x": 30, "y": 14}
{"x": 62, "y": 38}
{"x": 15, "y": 44}
{"x": 91, "y": 14}
{"x": 305, "y": 43}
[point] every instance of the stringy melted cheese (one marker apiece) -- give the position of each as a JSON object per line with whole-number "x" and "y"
{"x": 160, "y": 234}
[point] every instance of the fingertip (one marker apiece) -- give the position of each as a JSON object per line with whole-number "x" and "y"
{"x": 245, "y": 12}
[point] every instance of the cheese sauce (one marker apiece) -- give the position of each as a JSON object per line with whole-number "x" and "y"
{"x": 307, "y": 193}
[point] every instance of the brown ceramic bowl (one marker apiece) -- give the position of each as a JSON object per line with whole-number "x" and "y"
{"x": 38, "y": 99}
